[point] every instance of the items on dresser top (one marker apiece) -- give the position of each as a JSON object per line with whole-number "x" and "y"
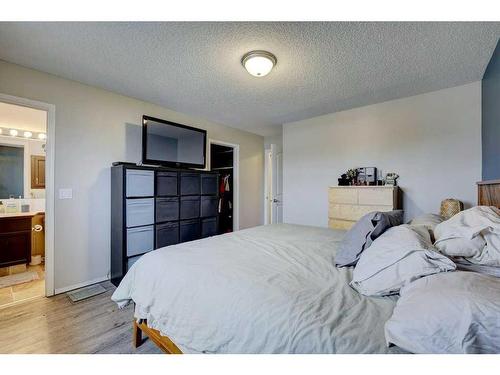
{"x": 154, "y": 207}
{"x": 366, "y": 176}
{"x": 391, "y": 179}
{"x": 347, "y": 204}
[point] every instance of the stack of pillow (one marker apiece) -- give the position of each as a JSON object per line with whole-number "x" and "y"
{"x": 439, "y": 311}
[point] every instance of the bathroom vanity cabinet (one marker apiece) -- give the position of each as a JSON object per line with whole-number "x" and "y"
{"x": 15, "y": 239}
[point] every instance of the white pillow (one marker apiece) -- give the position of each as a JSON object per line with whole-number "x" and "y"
{"x": 473, "y": 234}
{"x": 429, "y": 221}
{"x": 453, "y": 312}
{"x": 400, "y": 255}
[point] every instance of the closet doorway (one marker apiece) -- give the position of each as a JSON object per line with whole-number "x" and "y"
{"x": 224, "y": 159}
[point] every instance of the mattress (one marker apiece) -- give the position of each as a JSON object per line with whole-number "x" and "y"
{"x": 269, "y": 289}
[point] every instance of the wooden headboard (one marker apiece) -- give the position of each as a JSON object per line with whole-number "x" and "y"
{"x": 488, "y": 193}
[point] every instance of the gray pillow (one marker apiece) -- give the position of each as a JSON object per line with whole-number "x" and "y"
{"x": 363, "y": 233}
{"x": 395, "y": 259}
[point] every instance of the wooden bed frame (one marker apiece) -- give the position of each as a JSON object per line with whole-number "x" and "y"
{"x": 163, "y": 342}
{"x": 488, "y": 194}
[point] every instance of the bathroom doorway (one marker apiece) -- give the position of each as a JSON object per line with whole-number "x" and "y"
{"x": 26, "y": 168}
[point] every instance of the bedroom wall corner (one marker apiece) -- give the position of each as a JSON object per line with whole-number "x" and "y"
{"x": 432, "y": 140}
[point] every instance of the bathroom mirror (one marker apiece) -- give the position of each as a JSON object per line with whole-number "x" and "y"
{"x": 11, "y": 171}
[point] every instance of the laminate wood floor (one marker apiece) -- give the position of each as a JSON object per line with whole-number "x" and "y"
{"x": 56, "y": 325}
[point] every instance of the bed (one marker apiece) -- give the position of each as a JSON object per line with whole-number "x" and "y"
{"x": 269, "y": 289}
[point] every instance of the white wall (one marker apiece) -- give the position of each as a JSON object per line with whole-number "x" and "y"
{"x": 94, "y": 128}
{"x": 276, "y": 140}
{"x": 433, "y": 141}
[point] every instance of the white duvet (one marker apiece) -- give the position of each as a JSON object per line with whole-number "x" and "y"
{"x": 270, "y": 289}
{"x": 473, "y": 234}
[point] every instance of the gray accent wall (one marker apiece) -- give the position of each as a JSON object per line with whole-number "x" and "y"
{"x": 490, "y": 132}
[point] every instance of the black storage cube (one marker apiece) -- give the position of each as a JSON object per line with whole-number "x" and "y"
{"x": 189, "y": 230}
{"x": 167, "y": 209}
{"x": 208, "y": 227}
{"x": 167, "y": 234}
{"x": 209, "y": 184}
{"x": 209, "y": 206}
{"x": 190, "y": 183}
{"x": 190, "y": 207}
{"x": 166, "y": 183}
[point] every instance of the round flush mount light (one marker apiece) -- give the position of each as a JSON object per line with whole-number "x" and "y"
{"x": 13, "y": 132}
{"x": 259, "y": 63}
{"x": 42, "y": 136}
{"x": 28, "y": 134}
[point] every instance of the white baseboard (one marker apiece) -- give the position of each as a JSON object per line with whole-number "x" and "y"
{"x": 80, "y": 285}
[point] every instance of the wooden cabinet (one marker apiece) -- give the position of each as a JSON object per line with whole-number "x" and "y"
{"x": 37, "y": 172}
{"x": 15, "y": 240}
{"x": 347, "y": 204}
{"x": 38, "y": 238}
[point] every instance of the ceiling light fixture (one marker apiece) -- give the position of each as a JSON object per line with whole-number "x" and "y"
{"x": 28, "y": 134}
{"x": 259, "y": 63}
{"x": 42, "y": 136}
{"x": 13, "y": 132}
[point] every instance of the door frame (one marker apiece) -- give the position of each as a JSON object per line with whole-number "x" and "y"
{"x": 50, "y": 109}
{"x": 236, "y": 177}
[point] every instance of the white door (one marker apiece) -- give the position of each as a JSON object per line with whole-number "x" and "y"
{"x": 273, "y": 209}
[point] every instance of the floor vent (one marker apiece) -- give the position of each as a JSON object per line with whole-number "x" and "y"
{"x": 84, "y": 293}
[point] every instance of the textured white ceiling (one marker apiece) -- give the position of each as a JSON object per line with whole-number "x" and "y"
{"x": 195, "y": 67}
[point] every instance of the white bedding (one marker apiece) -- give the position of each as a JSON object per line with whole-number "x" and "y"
{"x": 269, "y": 289}
{"x": 399, "y": 256}
{"x": 473, "y": 234}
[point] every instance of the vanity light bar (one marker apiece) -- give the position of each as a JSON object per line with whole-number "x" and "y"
{"x": 11, "y": 132}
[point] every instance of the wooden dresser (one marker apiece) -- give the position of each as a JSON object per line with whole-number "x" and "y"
{"x": 347, "y": 204}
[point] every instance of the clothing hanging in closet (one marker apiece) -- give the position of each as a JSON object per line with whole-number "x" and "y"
{"x": 225, "y": 204}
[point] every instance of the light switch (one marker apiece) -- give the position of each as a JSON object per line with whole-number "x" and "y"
{"x": 65, "y": 193}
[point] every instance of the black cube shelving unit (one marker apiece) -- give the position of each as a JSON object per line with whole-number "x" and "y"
{"x": 154, "y": 207}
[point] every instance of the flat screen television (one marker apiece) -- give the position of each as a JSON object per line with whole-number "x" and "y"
{"x": 170, "y": 144}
